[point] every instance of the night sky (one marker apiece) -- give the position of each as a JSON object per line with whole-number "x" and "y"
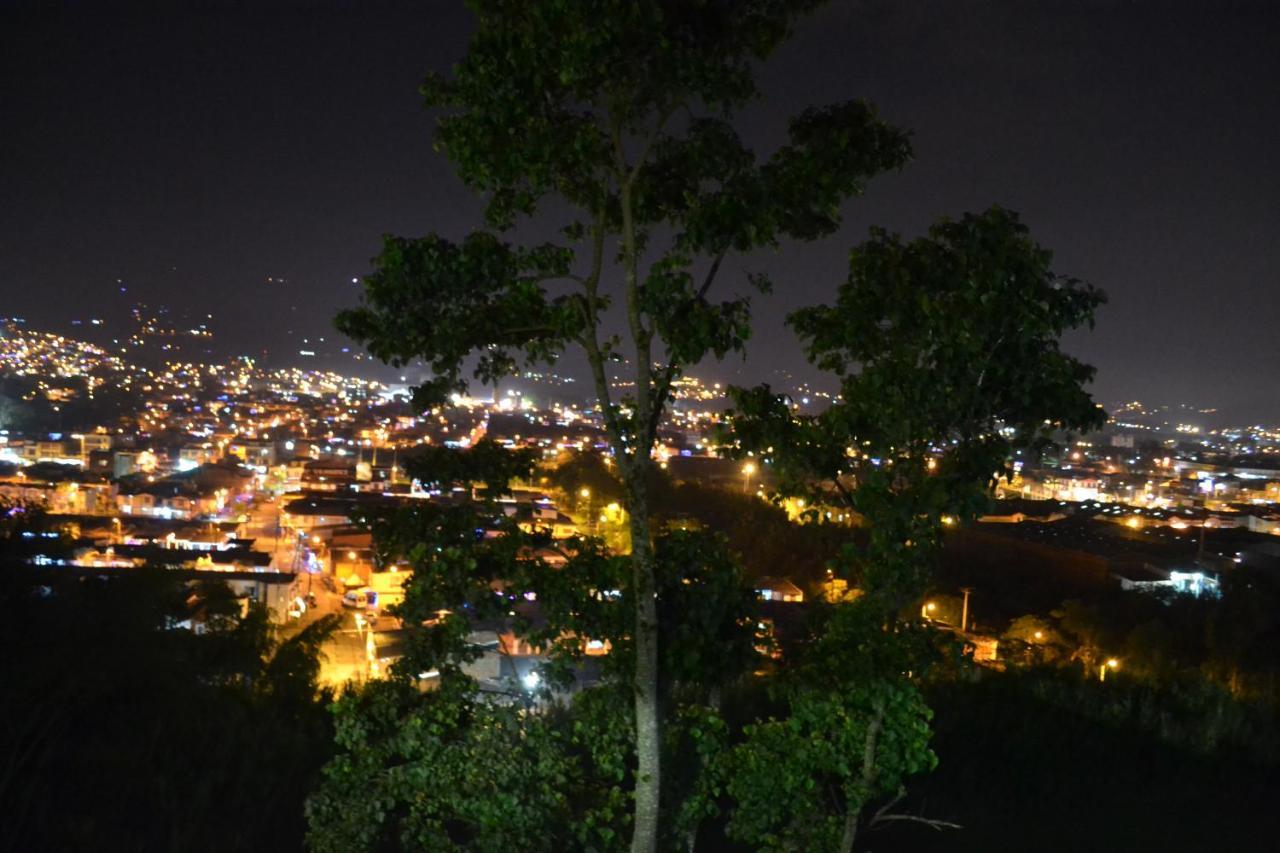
{"x": 243, "y": 160}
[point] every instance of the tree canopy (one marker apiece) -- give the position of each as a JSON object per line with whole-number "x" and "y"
{"x": 947, "y": 350}
{"x": 615, "y": 119}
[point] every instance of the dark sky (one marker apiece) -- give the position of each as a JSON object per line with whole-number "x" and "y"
{"x": 194, "y": 155}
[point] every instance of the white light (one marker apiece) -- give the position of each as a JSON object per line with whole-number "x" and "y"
{"x": 531, "y": 680}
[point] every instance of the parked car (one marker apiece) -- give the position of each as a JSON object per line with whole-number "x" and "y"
{"x": 355, "y": 598}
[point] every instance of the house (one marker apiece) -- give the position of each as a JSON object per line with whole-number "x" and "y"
{"x": 94, "y": 442}
{"x": 539, "y": 513}
{"x": 1153, "y": 579}
{"x": 255, "y": 453}
{"x": 194, "y": 455}
{"x": 167, "y": 499}
{"x": 985, "y": 649}
{"x": 310, "y": 513}
{"x": 1263, "y": 522}
{"x": 327, "y": 476}
{"x": 351, "y": 552}
{"x": 1018, "y": 510}
{"x": 778, "y": 589}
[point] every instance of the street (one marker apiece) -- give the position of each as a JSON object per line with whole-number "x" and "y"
{"x": 343, "y": 656}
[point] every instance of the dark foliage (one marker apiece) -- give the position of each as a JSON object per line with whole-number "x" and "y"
{"x": 767, "y": 542}
{"x": 123, "y": 733}
{"x": 1022, "y": 771}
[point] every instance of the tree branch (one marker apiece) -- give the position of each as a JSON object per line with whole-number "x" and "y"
{"x": 668, "y": 373}
{"x": 568, "y": 276}
{"x": 711, "y": 273}
{"x": 591, "y": 317}
{"x": 883, "y": 815}
{"x": 619, "y": 155}
{"x": 869, "y": 747}
{"x": 929, "y": 822}
{"x": 870, "y": 744}
{"x": 663, "y": 118}
{"x": 641, "y": 337}
{"x": 527, "y": 330}
{"x": 843, "y": 490}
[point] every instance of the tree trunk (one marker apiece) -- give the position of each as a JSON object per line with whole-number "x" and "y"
{"x": 644, "y": 838}
{"x": 850, "y": 832}
{"x": 644, "y": 835}
{"x": 869, "y": 747}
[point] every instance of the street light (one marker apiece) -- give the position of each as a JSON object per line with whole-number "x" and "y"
{"x": 1111, "y": 663}
{"x": 747, "y": 471}
{"x": 585, "y": 494}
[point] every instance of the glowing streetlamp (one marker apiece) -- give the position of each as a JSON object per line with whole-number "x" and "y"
{"x": 747, "y": 471}
{"x": 1111, "y": 663}
{"x": 585, "y": 494}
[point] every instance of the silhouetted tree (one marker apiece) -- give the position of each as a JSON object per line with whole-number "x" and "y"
{"x": 616, "y": 116}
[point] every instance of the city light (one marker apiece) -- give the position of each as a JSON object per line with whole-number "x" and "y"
{"x": 1109, "y": 664}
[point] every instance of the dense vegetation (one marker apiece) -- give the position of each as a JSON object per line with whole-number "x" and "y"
{"x": 1078, "y": 770}
{"x": 120, "y": 728}
{"x": 122, "y": 731}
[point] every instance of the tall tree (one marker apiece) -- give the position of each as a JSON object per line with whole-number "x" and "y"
{"x": 947, "y": 350}
{"x": 947, "y": 353}
{"x": 616, "y": 116}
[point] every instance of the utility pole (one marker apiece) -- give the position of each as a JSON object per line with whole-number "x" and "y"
{"x": 1204, "y": 524}
{"x": 964, "y": 610}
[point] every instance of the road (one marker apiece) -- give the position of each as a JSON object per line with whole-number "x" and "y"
{"x": 344, "y": 657}
{"x": 263, "y": 526}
